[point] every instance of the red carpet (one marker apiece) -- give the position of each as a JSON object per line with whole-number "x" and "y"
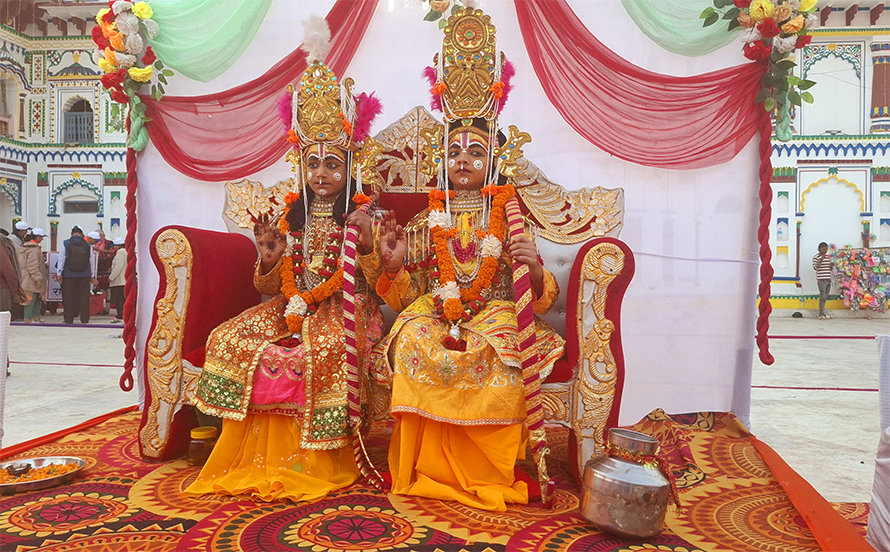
{"x": 731, "y": 501}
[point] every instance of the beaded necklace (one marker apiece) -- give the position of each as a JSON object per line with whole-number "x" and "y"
{"x": 453, "y": 303}
{"x": 301, "y": 304}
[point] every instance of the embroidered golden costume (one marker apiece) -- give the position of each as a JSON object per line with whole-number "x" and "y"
{"x": 457, "y": 388}
{"x": 277, "y": 373}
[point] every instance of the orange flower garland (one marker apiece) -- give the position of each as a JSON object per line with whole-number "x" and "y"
{"x": 470, "y": 298}
{"x": 289, "y": 270}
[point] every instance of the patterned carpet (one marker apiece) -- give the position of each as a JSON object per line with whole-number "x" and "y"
{"x": 730, "y": 501}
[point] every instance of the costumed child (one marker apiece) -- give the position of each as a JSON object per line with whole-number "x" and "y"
{"x": 458, "y": 394}
{"x": 277, "y": 373}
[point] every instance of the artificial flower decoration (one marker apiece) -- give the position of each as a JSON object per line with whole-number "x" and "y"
{"x": 772, "y": 31}
{"x": 440, "y": 9}
{"x": 361, "y": 199}
{"x": 149, "y": 58}
{"x": 439, "y": 87}
{"x": 125, "y": 56}
{"x": 141, "y": 75}
{"x": 142, "y": 10}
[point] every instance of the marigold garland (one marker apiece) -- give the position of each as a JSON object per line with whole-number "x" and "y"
{"x": 292, "y": 265}
{"x": 470, "y": 302}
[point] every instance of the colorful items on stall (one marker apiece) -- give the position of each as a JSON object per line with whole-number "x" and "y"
{"x": 863, "y": 276}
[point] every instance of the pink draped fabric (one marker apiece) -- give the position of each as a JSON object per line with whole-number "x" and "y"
{"x": 634, "y": 114}
{"x": 238, "y": 132}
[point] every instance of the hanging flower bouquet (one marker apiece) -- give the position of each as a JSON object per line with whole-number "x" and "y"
{"x": 121, "y": 37}
{"x": 771, "y": 31}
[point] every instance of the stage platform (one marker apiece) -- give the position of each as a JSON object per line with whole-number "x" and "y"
{"x": 732, "y": 493}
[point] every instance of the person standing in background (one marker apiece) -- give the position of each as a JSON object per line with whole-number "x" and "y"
{"x": 18, "y": 234}
{"x": 10, "y": 277}
{"x": 822, "y": 266}
{"x": 18, "y": 238}
{"x": 75, "y": 259}
{"x": 105, "y": 249}
{"x": 34, "y": 273}
{"x": 116, "y": 279}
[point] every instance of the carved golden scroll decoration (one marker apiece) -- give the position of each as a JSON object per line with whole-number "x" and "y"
{"x": 246, "y": 197}
{"x": 594, "y": 387}
{"x": 168, "y": 377}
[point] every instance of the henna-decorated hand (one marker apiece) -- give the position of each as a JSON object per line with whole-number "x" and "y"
{"x": 270, "y": 241}
{"x": 393, "y": 243}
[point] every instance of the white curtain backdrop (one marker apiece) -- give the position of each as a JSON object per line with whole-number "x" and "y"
{"x": 688, "y": 319}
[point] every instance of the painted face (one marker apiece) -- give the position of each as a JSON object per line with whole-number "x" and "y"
{"x": 325, "y": 170}
{"x": 467, "y": 161}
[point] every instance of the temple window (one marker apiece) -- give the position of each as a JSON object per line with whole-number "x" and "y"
{"x": 79, "y": 123}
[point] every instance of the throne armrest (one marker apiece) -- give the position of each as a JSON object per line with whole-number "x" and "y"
{"x": 589, "y": 399}
{"x": 221, "y": 266}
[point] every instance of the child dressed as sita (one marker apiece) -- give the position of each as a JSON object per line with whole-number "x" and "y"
{"x": 279, "y": 373}
{"x": 466, "y": 351}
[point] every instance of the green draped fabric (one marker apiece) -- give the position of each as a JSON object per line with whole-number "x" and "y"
{"x": 675, "y": 25}
{"x": 203, "y": 38}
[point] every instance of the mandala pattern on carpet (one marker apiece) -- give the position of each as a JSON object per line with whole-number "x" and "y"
{"x": 749, "y": 518}
{"x": 350, "y": 521}
{"x": 61, "y": 511}
{"x": 730, "y": 502}
{"x": 121, "y": 454}
{"x": 569, "y": 532}
{"x": 471, "y": 524}
{"x": 159, "y": 492}
{"x": 856, "y": 513}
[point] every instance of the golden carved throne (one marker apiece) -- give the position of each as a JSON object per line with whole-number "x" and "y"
{"x": 577, "y": 239}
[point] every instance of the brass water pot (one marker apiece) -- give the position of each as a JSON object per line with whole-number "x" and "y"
{"x": 625, "y": 493}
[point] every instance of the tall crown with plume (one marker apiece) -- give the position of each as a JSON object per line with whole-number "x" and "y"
{"x": 323, "y": 109}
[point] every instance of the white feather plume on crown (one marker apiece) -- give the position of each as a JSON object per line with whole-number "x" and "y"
{"x": 316, "y": 38}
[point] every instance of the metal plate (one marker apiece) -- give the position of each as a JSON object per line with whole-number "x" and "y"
{"x": 10, "y": 488}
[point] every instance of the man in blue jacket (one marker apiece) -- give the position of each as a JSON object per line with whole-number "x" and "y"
{"x": 75, "y": 258}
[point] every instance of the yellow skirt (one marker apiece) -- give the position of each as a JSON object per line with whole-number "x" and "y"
{"x": 260, "y": 457}
{"x": 470, "y": 464}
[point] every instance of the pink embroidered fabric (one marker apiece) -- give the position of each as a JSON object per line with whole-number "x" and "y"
{"x": 278, "y": 382}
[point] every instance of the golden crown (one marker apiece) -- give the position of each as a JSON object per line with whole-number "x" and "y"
{"x": 324, "y": 112}
{"x": 469, "y": 66}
